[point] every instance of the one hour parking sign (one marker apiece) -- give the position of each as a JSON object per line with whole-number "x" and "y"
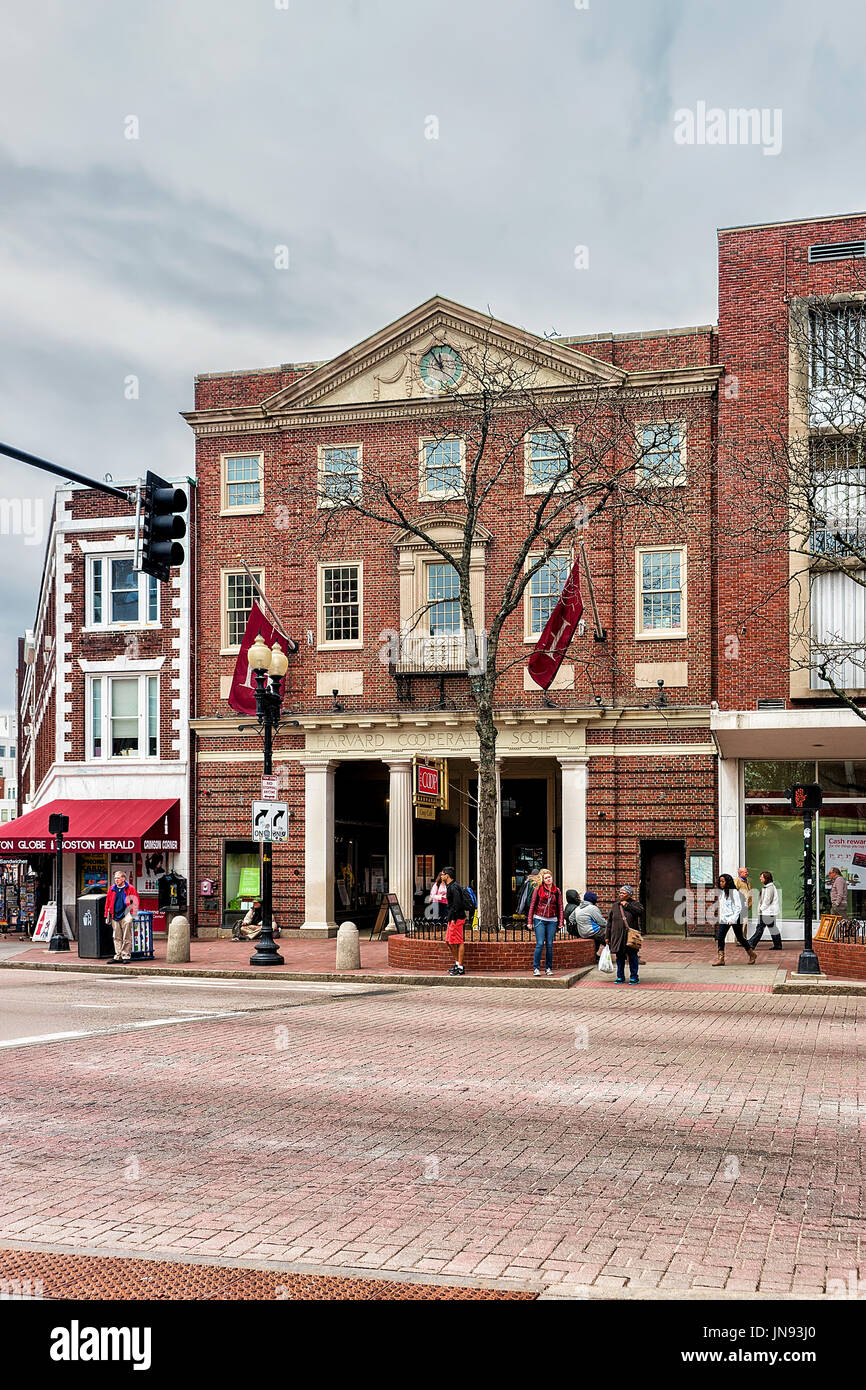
{"x": 270, "y": 821}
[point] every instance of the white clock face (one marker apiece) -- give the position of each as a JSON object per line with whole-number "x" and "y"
{"x": 441, "y": 367}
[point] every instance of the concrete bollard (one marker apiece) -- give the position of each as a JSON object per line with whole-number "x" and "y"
{"x": 177, "y": 946}
{"x": 348, "y": 947}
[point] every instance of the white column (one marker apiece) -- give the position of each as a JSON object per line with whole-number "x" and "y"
{"x": 574, "y": 823}
{"x": 319, "y": 848}
{"x": 401, "y": 879}
{"x": 729, "y": 816}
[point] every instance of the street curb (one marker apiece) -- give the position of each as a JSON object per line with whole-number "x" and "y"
{"x": 364, "y": 977}
{"x": 784, "y": 985}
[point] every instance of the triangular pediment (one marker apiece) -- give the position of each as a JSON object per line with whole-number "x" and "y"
{"x": 389, "y": 366}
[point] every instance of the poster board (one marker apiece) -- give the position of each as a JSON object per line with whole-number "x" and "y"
{"x": 396, "y": 912}
{"x": 827, "y": 927}
{"x": 847, "y": 853}
{"x": 381, "y": 918}
{"x": 47, "y": 924}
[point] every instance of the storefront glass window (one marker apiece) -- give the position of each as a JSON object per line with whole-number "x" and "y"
{"x": 776, "y": 778}
{"x": 775, "y": 843}
{"x": 843, "y": 779}
{"x": 241, "y": 877}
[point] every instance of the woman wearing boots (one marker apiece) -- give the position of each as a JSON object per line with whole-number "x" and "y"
{"x": 768, "y": 912}
{"x": 731, "y": 915}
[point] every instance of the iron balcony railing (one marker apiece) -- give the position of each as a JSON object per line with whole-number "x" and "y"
{"x": 438, "y": 653}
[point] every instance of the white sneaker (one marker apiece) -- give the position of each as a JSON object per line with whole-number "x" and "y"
{"x": 536, "y": 971}
{"x": 548, "y": 972}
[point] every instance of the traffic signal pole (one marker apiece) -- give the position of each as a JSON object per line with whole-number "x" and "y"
{"x": 808, "y": 963}
{"x": 36, "y": 462}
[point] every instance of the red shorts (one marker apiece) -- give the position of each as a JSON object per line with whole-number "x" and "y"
{"x": 454, "y": 932}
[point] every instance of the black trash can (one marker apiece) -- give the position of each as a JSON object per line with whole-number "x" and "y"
{"x": 95, "y": 939}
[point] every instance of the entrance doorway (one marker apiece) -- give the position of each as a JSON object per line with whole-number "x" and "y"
{"x": 662, "y": 876}
{"x": 524, "y": 835}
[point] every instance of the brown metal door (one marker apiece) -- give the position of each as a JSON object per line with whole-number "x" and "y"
{"x": 664, "y": 875}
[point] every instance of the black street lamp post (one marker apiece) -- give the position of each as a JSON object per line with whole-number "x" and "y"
{"x": 57, "y": 826}
{"x": 267, "y": 665}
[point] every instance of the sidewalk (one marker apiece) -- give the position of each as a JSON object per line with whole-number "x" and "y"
{"x": 670, "y": 963}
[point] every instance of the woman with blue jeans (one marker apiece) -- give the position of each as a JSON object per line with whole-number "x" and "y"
{"x": 545, "y": 915}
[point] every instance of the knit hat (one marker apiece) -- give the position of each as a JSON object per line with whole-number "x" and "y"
{"x": 590, "y": 897}
{"x": 627, "y": 888}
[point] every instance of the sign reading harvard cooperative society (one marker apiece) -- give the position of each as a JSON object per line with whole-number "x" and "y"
{"x": 270, "y": 821}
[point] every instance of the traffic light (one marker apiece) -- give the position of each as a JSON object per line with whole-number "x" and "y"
{"x": 162, "y": 527}
{"x": 807, "y": 796}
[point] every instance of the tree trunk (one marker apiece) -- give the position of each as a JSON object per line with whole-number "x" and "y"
{"x": 488, "y": 796}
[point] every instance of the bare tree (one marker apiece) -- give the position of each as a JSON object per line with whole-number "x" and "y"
{"x": 806, "y": 478}
{"x": 555, "y": 456}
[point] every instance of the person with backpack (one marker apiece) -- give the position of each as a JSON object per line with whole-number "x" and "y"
{"x": 545, "y": 916}
{"x": 572, "y": 903}
{"x": 460, "y": 905}
{"x": 529, "y": 886}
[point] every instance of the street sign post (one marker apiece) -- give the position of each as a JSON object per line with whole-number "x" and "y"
{"x": 270, "y": 821}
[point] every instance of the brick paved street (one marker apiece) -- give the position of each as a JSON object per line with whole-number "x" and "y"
{"x": 592, "y": 1140}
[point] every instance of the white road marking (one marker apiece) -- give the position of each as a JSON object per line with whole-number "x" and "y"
{"x": 45, "y": 1037}
{"x": 199, "y": 983}
{"x": 118, "y": 1028}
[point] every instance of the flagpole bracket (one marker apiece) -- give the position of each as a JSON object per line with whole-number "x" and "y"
{"x": 599, "y": 634}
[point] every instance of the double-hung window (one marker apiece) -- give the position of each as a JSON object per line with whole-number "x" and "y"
{"x": 661, "y": 593}
{"x": 661, "y": 461}
{"x": 239, "y": 594}
{"x": 242, "y": 483}
{"x": 339, "y": 605}
{"x": 545, "y": 588}
{"x": 120, "y": 596}
{"x": 123, "y": 717}
{"x": 443, "y": 600}
{"x": 339, "y": 475}
{"x": 442, "y": 464}
{"x": 547, "y": 460}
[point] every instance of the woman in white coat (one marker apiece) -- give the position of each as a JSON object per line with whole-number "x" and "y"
{"x": 768, "y": 913}
{"x": 731, "y": 906}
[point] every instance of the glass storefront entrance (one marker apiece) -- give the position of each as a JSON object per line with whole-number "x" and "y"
{"x": 774, "y": 833}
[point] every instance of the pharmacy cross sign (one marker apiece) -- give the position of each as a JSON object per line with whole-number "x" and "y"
{"x": 270, "y": 821}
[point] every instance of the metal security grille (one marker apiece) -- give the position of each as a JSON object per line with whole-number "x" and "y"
{"x": 341, "y": 603}
{"x": 837, "y": 346}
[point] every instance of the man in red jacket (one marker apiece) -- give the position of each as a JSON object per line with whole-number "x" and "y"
{"x": 121, "y": 906}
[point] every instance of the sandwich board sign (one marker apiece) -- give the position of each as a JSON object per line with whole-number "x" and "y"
{"x": 270, "y": 821}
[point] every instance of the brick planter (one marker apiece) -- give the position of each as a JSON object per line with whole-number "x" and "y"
{"x": 410, "y": 953}
{"x": 841, "y": 960}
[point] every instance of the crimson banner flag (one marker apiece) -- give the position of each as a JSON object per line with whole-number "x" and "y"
{"x": 558, "y": 632}
{"x": 242, "y": 696}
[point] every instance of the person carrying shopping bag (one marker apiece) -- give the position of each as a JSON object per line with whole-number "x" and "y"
{"x": 731, "y": 907}
{"x": 768, "y": 912}
{"x": 545, "y": 916}
{"x": 623, "y": 934}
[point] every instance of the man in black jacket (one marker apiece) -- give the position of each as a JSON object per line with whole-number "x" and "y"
{"x": 456, "y": 920}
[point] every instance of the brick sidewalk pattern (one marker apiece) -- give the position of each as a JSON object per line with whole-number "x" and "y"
{"x": 598, "y": 1141}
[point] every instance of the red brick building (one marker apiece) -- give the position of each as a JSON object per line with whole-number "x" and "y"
{"x": 653, "y": 760}
{"x": 103, "y": 708}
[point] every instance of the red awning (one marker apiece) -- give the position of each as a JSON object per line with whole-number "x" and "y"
{"x": 96, "y": 827}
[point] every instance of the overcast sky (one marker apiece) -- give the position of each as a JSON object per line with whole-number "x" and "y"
{"x": 305, "y": 123}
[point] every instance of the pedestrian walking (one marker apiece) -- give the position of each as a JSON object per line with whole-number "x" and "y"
{"x": 768, "y": 913}
{"x": 623, "y": 934}
{"x": 589, "y": 921}
{"x": 545, "y": 916}
{"x": 744, "y": 888}
{"x": 838, "y": 893}
{"x": 730, "y": 915}
{"x": 121, "y": 906}
{"x": 439, "y": 896}
{"x": 530, "y": 884}
{"x": 457, "y": 907}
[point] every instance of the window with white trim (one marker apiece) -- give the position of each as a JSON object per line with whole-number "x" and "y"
{"x": 547, "y": 460}
{"x": 443, "y": 600}
{"x": 123, "y": 717}
{"x": 661, "y": 461}
{"x": 544, "y": 591}
{"x": 442, "y": 468}
{"x": 661, "y": 591}
{"x": 340, "y": 600}
{"x": 120, "y": 596}
{"x": 339, "y": 474}
{"x": 242, "y": 489}
{"x": 239, "y": 594}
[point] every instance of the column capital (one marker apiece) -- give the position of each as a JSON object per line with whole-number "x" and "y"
{"x": 401, "y": 764}
{"x": 572, "y": 760}
{"x": 319, "y": 764}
